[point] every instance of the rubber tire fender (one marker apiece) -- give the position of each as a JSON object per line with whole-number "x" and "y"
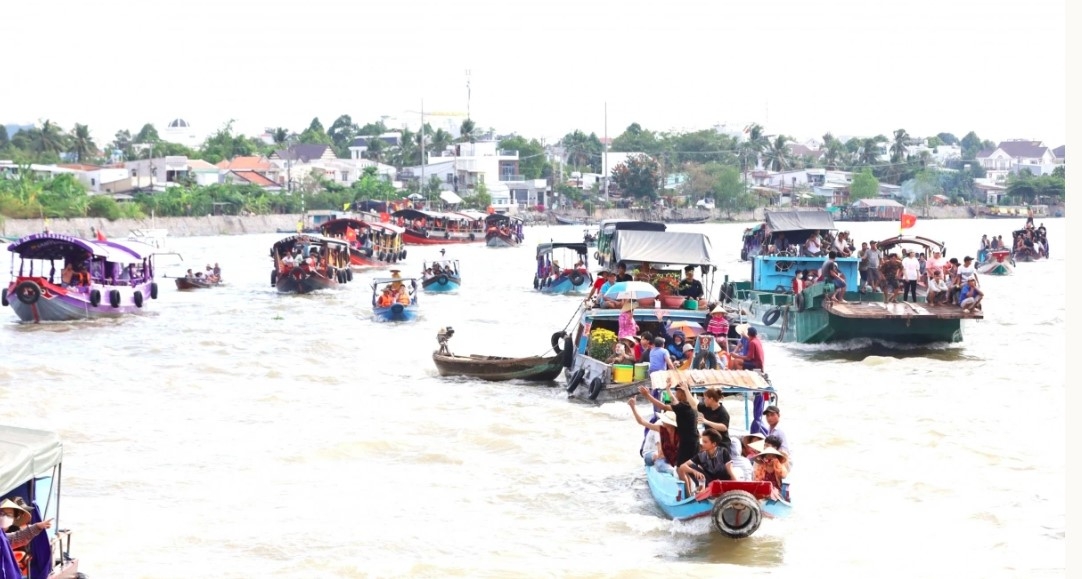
{"x": 771, "y": 316}
{"x": 349, "y": 275}
{"x": 569, "y": 351}
{"x": 442, "y": 280}
{"x": 28, "y": 292}
{"x": 575, "y": 380}
{"x": 744, "y": 254}
{"x": 473, "y": 237}
{"x": 554, "y": 341}
{"x": 403, "y": 254}
{"x": 4, "y": 298}
{"x": 596, "y": 386}
{"x": 736, "y": 499}
{"x": 382, "y": 256}
{"x": 95, "y": 297}
{"x": 535, "y": 284}
{"x": 153, "y": 290}
{"x": 138, "y": 297}
{"x": 274, "y": 278}
{"x": 114, "y": 298}
{"x": 447, "y": 235}
{"x": 577, "y": 278}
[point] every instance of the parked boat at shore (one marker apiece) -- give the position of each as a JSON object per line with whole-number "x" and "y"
{"x": 503, "y": 230}
{"x": 494, "y": 368}
{"x": 30, "y": 470}
{"x": 552, "y": 278}
{"x": 304, "y": 263}
{"x": 105, "y": 278}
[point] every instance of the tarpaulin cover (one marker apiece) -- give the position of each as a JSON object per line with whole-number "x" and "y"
{"x": 799, "y": 220}
{"x": 662, "y": 247}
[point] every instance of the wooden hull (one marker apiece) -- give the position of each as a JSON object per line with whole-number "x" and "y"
{"x": 501, "y": 240}
{"x": 58, "y": 304}
{"x": 494, "y": 368}
{"x": 300, "y": 282}
{"x": 187, "y": 283}
{"x": 413, "y": 237}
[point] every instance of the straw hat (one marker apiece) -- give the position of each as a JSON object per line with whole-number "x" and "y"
{"x": 771, "y": 451}
{"x": 757, "y": 445}
{"x": 752, "y": 437}
{"x": 20, "y": 512}
{"x": 667, "y": 417}
{"x": 742, "y": 329}
{"x": 718, "y": 310}
{"x": 688, "y": 347}
{"x": 631, "y": 340}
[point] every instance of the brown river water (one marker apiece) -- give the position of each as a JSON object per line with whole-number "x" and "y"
{"x": 236, "y": 432}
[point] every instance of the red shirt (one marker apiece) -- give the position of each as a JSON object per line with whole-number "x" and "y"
{"x": 598, "y": 283}
{"x": 755, "y": 352}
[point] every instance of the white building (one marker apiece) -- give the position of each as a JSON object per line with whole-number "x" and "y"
{"x": 466, "y": 165}
{"x": 179, "y": 131}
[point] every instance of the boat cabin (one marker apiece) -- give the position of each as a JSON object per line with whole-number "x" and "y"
{"x": 781, "y": 256}
{"x": 905, "y": 243}
{"x": 606, "y": 231}
{"x": 107, "y": 263}
{"x": 660, "y": 258}
{"x": 548, "y": 264}
{"x": 403, "y": 291}
{"x": 436, "y": 224}
{"x": 387, "y": 240}
{"x": 317, "y": 251}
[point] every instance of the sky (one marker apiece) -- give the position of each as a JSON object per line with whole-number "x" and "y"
{"x": 542, "y": 68}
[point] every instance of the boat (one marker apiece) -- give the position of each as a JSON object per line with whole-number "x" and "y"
{"x": 30, "y": 469}
{"x": 589, "y": 237}
{"x": 398, "y": 312}
{"x": 503, "y": 230}
{"x": 810, "y": 318}
{"x": 560, "y": 219}
{"x": 1022, "y": 252}
{"x": 494, "y": 368}
{"x": 735, "y": 508}
{"x": 190, "y": 282}
{"x": 752, "y": 241}
{"x": 435, "y": 228}
{"x": 304, "y": 263}
{"x": 441, "y": 275}
{"x": 371, "y": 244}
{"x": 313, "y": 219}
{"x": 995, "y": 262}
{"x": 112, "y": 278}
{"x": 562, "y": 280}
{"x": 606, "y": 231}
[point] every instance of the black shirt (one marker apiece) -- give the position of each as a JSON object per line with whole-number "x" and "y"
{"x": 691, "y": 288}
{"x": 623, "y": 277}
{"x": 720, "y": 415}
{"x": 713, "y": 467}
{"x": 687, "y": 429}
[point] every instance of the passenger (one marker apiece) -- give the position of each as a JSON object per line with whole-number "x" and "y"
{"x": 386, "y": 298}
{"x": 770, "y": 466}
{"x": 621, "y": 272}
{"x": 676, "y": 348}
{"x": 754, "y": 359}
{"x": 711, "y": 463}
{"x": 627, "y": 325}
{"x": 66, "y": 275}
{"x": 753, "y": 443}
{"x": 404, "y": 297}
{"x": 742, "y": 467}
{"x": 661, "y": 445}
{"x": 15, "y": 520}
{"x": 772, "y": 415}
{"x": 660, "y": 358}
{"x": 712, "y": 413}
{"x": 689, "y": 286}
{"x": 687, "y": 427}
{"x": 646, "y": 343}
{"x": 623, "y": 352}
{"x": 970, "y": 297}
{"x": 937, "y": 288}
{"x": 689, "y": 357}
{"x": 718, "y": 326}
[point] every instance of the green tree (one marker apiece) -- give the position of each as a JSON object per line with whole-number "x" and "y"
{"x": 705, "y": 146}
{"x": 4, "y": 140}
{"x": 638, "y": 176}
{"x": 467, "y": 132}
{"x": 480, "y": 200}
{"x": 947, "y": 138}
{"x": 583, "y": 151}
{"x": 635, "y": 139}
{"x": 147, "y": 134}
{"x": 864, "y": 186}
{"x": 315, "y": 134}
{"x": 898, "y": 146}
{"x": 971, "y": 145}
{"x": 82, "y": 145}
{"x": 776, "y": 155}
{"x": 341, "y": 133}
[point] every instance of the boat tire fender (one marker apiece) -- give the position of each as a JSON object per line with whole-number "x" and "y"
{"x": 368, "y": 252}
{"x": 800, "y": 304}
{"x": 403, "y": 254}
{"x": 473, "y": 237}
{"x": 442, "y": 280}
{"x": 95, "y": 297}
{"x": 781, "y": 289}
{"x": 771, "y": 316}
{"x": 349, "y": 275}
{"x": 274, "y": 278}
{"x": 153, "y": 290}
{"x": 744, "y": 254}
{"x": 447, "y": 235}
{"x": 577, "y": 278}
{"x": 569, "y": 352}
{"x": 426, "y": 234}
{"x": 28, "y": 292}
{"x": 596, "y": 386}
{"x": 575, "y": 380}
{"x": 535, "y": 284}
{"x": 554, "y": 341}
{"x": 114, "y": 298}
{"x": 383, "y": 256}
{"x": 4, "y": 297}
{"x": 597, "y": 256}
{"x": 732, "y": 502}
{"x": 138, "y": 297}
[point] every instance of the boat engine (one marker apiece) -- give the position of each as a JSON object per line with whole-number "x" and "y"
{"x": 442, "y": 337}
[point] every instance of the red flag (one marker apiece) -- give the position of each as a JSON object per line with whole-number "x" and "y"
{"x": 384, "y": 217}
{"x": 908, "y": 220}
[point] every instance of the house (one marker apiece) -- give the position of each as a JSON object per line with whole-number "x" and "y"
{"x": 242, "y": 177}
{"x": 160, "y": 171}
{"x": 99, "y": 179}
{"x": 466, "y": 165}
{"x": 258, "y": 164}
{"x": 989, "y": 189}
{"x": 202, "y": 172}
{"x": 1015, "y": 155}
{"x": 803, "y": 151}
{"x": 1059, "y": 153}
{"x": 180, "y": 131}
{"x": 303, "y": 153}
{"x": 13, "y": 168}
{"x": 360, "y": 144}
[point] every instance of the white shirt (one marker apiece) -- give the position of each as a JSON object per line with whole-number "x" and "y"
{"x": 939, "y": 285}
{"x": 652, "y": 444}
{"x": 966, "y": 272}
{"x": 911, "y": 265}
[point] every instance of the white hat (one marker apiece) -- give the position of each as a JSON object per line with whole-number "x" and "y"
{"x": 667, "y": 417}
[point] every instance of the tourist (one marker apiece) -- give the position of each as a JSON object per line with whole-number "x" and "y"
{"x": 875, "y": 258}
{"x": 770, "y": 466}
{"x": 687, "y": 428}
{"x": 689, "y": 357}
{"x": 911, "y": 273}
{"x": 831, "y": 273}
{"x": 742, "y": 467}
{"x": 661, "y": 445}
{"x": 938, "y": 289}
{"x": 659, "y": 359}
{"x": 813, "y": 246}
{"x": 718, "y": 327}
{"x": 712, "y": 413}
{"x": 754, "y": 359}
{"x": 689, "y": 286}
{"x": 892, "y": 273}
{"x": 711, "y": 463}
{"x": 621, "y": 272}
{"x": 596, "y": 289}
{"x": 646, "y": 343}
{"x": 967, "y": 271}
{"x": 970, "y": 297}
{"x": 772, "y": 416}
{"x": 66, "y": 275}
{"x": 862, "y": 266}
{"x": 623, "y": 352}
{"x": 676, "y": 348}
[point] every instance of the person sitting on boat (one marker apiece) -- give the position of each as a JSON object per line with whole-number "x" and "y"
{"x": 646, "y": 343}
{"x": 938, "y": 290}
{"x": 771, "y": 418}
{"x": 752, "y": 443}
{"x": 623, "y": 352}
{"x": 813, "y": 246}
{"x": 600, "y": 286}
{"x": 676, "y": 346}
{"x": 705, "y": 356}
{"x": 970, "y": 297}
{"x": 770, "y": 466}
{"x": 661, "y": 445}
{"x": 841, "y": 247}
{"x": 711, "y": 463}
{"x": 712, "y": 413}
{"x": 754, "y": 359}
{"x": 403, "y": 297}
{"x": 689, "y": 357}
{"x": 689, "y": 286}
{"x": 15, "y": 519}
{"x": 742, "y": 467}
{"x": 217, "y": 272}
{"x": 386, "y": 298}
{"x": 621, "y": 272}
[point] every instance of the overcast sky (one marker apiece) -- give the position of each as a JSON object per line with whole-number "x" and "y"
{"x": 543, "y": 68}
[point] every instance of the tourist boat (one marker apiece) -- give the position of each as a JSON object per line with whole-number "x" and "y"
{"x": 995, "y": 262}
{"x": 606, "y": 232}
{"x": 494, "y": 368}
{"x": 752, "y": 241}
{"x": 30, "y": 468}
{"x": 503, "y": 230}
{"x": 397, "y": 312}
{"x": 808, "y": 318}
{"x": 560, "y": 219}
{"x": 735, "y": 508}
{"x": 1023, "y": 253}
{"x": 195, "y": 282}
{"x": 371, "y": 244}
{"x": 589, "y": 237}
{"x": 331, "y": 257}
{"x": 434, "y": 228}
{"x": 116, "y": 278}
{"x": 560, "y": 279}
{"x": 441, "y": 275}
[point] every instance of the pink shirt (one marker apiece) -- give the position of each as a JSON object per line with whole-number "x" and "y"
{"x": 934, "y": 264}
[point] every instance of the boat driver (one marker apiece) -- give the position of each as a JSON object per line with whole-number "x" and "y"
{"x": 689, "y": 286}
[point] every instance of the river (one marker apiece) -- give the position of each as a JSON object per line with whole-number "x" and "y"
{"x": 236, "y": 432}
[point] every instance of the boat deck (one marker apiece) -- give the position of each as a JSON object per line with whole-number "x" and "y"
{"x": 881, "y": 310}
{"x": 725, "y": 379}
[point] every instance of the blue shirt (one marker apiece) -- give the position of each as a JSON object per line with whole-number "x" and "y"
{"x": 657, "y": 359}
{"x": 605, "y": 287}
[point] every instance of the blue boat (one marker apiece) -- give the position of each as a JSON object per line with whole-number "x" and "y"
{"x": 403, "y": 294}
{"x": 736, "y": 508}
{"x": 441, "y": 275}
{"x": 553, "y": 278}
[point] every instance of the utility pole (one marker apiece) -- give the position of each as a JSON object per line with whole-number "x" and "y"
{"x": 422, "y": 184}
{"x": 605, "y": 153}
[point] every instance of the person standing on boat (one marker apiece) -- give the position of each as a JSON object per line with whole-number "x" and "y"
{"x": 687, "y": 427}
{"x": 967, "y": 271}
{"x": 910, "y": 273}
{"x": 875, "y": 258}
{"x": 660, "y": 359}
{"x": 689, "y": 286}
{"x": 832, "y": 274}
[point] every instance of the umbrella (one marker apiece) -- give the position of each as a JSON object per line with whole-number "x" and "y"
{"x": 688, "y": 328}
{"x": 631, "y": 290}
{"x": 415, "y": 196}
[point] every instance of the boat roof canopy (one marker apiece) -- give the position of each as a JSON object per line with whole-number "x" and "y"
{"x": 578, "y": 246}
{"x": 497, "y": 217}
{"x": 662, "y": 247}
{"x": 925, "y": 242}
{"x": 303, "y": 238}
{"x": 728, "y": 381}
{"x": 630, "y": 225}
{"x": 340, "y": 223}
{"x": 799, "y": 221}
{"x": 26, "y": 454}
{"x": 471, "y": 214}
{"x": 49, "y": 246}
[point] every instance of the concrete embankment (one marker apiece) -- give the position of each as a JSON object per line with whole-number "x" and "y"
{"x": 177, "y": 226}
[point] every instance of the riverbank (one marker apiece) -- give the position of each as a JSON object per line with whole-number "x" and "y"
{"x": 177, "y": 226}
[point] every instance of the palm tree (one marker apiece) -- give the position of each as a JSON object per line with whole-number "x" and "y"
{"x": 280, "y": 136}
{"x": 898, "y": 148}
{"x": 869, "y": 150}
{"x": 467, "y": 131}
{"x": 777, "y": 157}
{"x": 441, "y": 139}
{"x": 50, "y": 138}
{"x": 82, "y": 144}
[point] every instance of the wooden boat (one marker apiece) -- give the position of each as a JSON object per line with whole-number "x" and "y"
{"x": 606, "y": 233}
{"x": 562, "y": 280}
{"x": 568, "y": 220}
{"x": 503, "y": 231}
{"x": 193, "y": 282}
{"x": 113, "y": 278}
{"x": 371, "y": 244}
{"x": 494, "y": 368}
{"x": 30, "y": 468}
{"x": 995, "y": 262}
{"x": 434, "y": 228}
{"x": 441, "y": 276}
{"x": 324, "y": 264}
{"x": 398, "y": 312}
